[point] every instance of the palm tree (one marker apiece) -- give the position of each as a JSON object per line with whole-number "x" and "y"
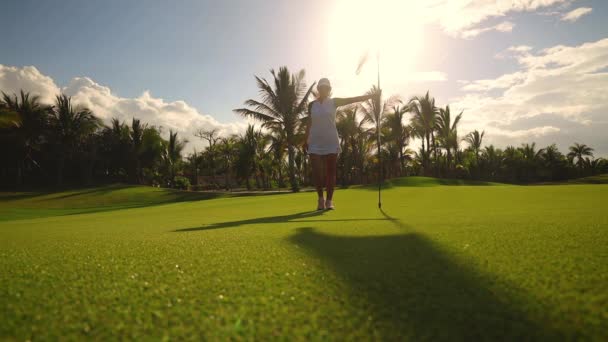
{"x": 266, "y": 162}
{"x": 553, "y": 161}
{"x": 120, "y": 147}
{"x": 137, "y": 134}
{"x": 26, "y": 127}
{"x": 152, "y": 155}
{"x": 492, "y": 159}
{"x": 512, "y": 160}
{"x": 70, "y": 127}
{"x": 579, "y": 152}
{"x": 530, "y": 160}
{"x": 447, "y": 132}
{"x": 277, "y": 147}
{"x": 173, "y": 154}
{"x": 595, "y": 166}
{"x": 211, "y": 136}
{"x": 551, "y": 154}
{"x": 529, "y": 152}
{"x": 246, "y": 164}
{"x": 357, "y": 139}
{"x": 260, "y": 162}
{"x": 228, "y": 148}
{"x": 475, "y": 139}
{"x": 373, "y": 110}
{"x": 281, "y": 107}
{"x": 398, "y": 133}
{"x": 425, "y": 113}
{"x": 346, "y": 126}
{"x": 417, "y": 131}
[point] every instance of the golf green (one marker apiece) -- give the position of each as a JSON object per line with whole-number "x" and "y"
{"x": 442, "y": 260}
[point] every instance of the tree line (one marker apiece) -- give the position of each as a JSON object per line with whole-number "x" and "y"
{"x": 66, "y": 144}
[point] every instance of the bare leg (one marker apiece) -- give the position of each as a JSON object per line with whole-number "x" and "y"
{"x": 330, "y": 177}
{"x": 317, "y": 173}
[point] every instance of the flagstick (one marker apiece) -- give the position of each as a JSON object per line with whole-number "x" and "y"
{"x": 362, "y": 61}
{"x": 378, "y": 132}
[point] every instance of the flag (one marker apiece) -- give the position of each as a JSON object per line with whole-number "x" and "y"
{"x": 362, "y": 62}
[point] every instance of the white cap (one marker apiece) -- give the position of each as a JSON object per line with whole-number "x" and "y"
{"x": 324, "y": 82}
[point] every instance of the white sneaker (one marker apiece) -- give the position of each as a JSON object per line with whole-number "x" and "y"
{"x": 329, "y": 205}
{"x": 321, "y": 204}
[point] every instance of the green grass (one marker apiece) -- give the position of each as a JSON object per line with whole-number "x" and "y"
{"x": 439, "y": 262}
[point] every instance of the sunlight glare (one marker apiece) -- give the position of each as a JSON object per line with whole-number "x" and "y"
{"x": 393, "y": 27}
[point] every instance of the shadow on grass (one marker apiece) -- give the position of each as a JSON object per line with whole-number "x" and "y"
{"x": 7, "y": 197}
{"x": 169, "y": 195}
{"x": 597, "y": 179}
{"x": 93, "y": 191}
{"x": 305, "y": 216}
{"x": 71, "y": 192}
{"x": 414, "y": 290}
{"x": 12, "y": 214}
{"x": 91, "y": 200}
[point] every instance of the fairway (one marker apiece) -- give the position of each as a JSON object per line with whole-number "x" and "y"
{"x": 442, "y": 260}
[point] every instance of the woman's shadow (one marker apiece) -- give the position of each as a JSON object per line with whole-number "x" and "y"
{"x": 305, "y": 216}
{"x": 413, "y": 290}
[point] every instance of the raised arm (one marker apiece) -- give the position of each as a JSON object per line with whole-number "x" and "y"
{"x": 349, "y": 100}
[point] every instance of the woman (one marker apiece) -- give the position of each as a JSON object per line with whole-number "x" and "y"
{"x": 322, "y": 143}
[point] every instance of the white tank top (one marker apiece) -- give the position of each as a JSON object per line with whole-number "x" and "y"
{"x": 323, "y": 135}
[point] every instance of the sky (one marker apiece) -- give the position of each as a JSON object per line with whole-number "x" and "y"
{"x": 522, "y": 70}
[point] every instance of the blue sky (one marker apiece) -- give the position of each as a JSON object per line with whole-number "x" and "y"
{"x": 205, "y": 53}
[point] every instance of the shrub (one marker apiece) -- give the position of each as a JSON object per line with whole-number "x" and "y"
{"x": 461, "y": 172}
{"x": 180, "y": 182}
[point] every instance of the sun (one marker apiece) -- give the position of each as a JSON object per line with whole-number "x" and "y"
{"x": 392, "y": 27}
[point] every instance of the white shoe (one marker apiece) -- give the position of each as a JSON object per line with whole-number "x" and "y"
{"x": 329, "y": 205}
{"x": 321, "y": 204}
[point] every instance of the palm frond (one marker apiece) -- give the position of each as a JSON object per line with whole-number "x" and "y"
{"x": 245, "y": 112}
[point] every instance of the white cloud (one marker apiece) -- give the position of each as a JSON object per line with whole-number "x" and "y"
{"x": 458, "y": 18}
{"x": 566, "y": 82}
{"x": 177, "y": 115}
{"x": 463, "y": 17}
{"x": 576, "y": 14}
{"x": 502, "y": 82}
{"x": 505, "y": 26}
{"x": 520, "y": 134}
{"x": 520, "y": 48}
{"x": 514, "y": 51}
{"x": 13, "y": 79}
